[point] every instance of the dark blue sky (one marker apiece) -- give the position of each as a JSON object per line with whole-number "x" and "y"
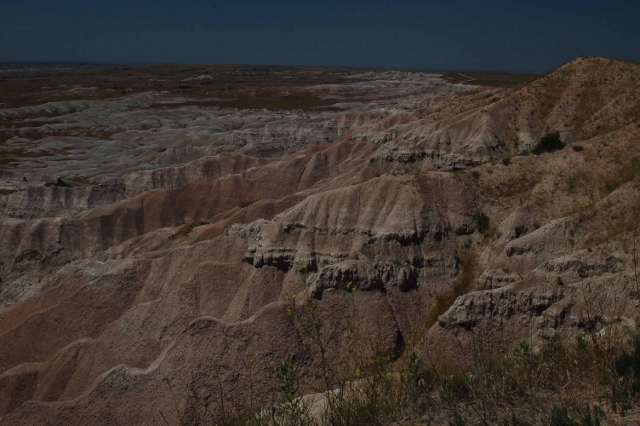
{"x": 505, "y": 35}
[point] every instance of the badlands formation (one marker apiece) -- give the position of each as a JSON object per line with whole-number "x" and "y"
{"x": 159, "y": 248}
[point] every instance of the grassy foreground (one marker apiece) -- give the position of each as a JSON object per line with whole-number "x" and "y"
{"x": 586, "y": 380}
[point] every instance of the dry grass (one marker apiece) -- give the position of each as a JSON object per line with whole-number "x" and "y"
{"x": 616, "y": 227}
{"x": 627, "y": 171}
{"x": 468, "y": 264}
{"x": 582, "y": 381}
{"x": 518, "y": 183}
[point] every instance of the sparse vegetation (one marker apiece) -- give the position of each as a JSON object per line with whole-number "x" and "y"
{"x": 468, "y": 264}
{"x": 404, "y": 171}
{"x": 561, "y": 383}
{"x": 625, "y": 378}
{"x": 627, "y": 172}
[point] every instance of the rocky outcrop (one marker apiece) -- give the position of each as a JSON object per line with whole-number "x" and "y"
{"x": 52, "y": 200}
{"x": 352, "y": 275}
{"x": 347, "y": 237}
{"x": 497, "y": 306}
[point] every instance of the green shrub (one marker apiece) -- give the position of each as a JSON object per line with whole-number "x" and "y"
{"x": 456, "y": 387}
{"x": 549, "y": 143}
{"x": 625, "y": 381}
{"x": 589, "y": 416}
{"x": 611, "y": 186}
{"x": 458, "y": 420}
{"x": 582, "y": 415}
{"x": 506, "y": 161}
{"x": 483, "y": 223}
{"x": 514, "y": 421}
{"x": 416, "y": 381}
{"x": 287, "y": 377}
{"x": 475, "y": 175}
{"x": 560, "y": 417}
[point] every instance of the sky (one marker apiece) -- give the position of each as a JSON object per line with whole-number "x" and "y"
{"x": 532, "y": 36}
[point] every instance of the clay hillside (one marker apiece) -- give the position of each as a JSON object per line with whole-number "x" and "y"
{"x": 321, "y": 246}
